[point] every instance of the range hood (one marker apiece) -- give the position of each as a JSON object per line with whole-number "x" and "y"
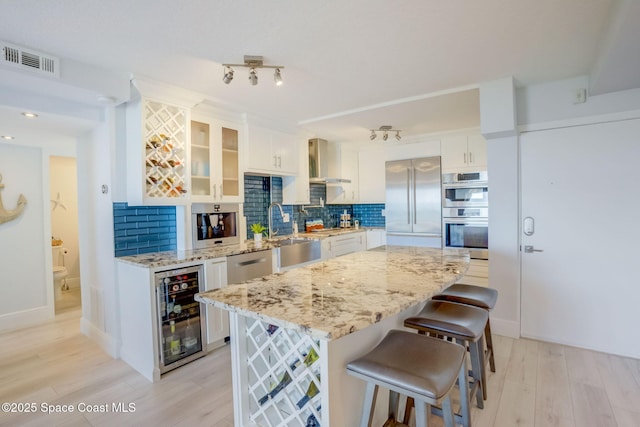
{"x": 319, "y": 163}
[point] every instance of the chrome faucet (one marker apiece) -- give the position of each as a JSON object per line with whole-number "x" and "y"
{"x": 271, "y": 234}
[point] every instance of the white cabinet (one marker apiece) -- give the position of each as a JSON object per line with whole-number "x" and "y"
{"x": 464, "y": 152}
{"x": 215, "y": 271}
{"x": 371, "y": 178}
{"x": 345, "y": 193}
{"x": 272, "y": 152}
{"x": 477, "y": 274}
{"x": 376, "y": 238}
{"x": 215, "y": 160}
{"x": 295, "y": 189}
{"x": 335, "y": 246}
{"x": 157, "y": 156}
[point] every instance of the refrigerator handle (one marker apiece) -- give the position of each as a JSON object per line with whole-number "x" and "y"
{"x": 410, "y": 184}
{"x": 415, "y": 203}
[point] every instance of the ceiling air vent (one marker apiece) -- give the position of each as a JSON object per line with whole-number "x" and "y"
{"x": 28, "y": 59}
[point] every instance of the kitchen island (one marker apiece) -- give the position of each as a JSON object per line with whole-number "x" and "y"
{"x": 293, "y": 333}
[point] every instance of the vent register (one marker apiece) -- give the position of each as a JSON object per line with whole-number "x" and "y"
{"x": 28, "y": 59}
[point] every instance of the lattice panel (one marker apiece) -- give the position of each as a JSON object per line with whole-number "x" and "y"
{"x": 165, "y": 143}
{"x": 283, "y": 376}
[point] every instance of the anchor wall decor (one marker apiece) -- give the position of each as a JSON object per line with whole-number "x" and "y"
{"x": 7, "y": 215}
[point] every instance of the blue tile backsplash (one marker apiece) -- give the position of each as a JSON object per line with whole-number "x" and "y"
{"x": 261, "y": 191}
{"x": 143, "y": 229}
{"x": 369, "y": 215}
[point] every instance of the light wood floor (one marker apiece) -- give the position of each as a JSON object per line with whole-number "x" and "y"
{"x": 67, "y": 300}
{"x": 536, "y": 384}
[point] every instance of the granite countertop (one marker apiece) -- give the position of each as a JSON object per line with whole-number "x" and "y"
{"x": 333, "y": 298}
{"x": 170, "y": 258}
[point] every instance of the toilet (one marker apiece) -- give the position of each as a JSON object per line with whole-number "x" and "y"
{"x": 60, "y": 272}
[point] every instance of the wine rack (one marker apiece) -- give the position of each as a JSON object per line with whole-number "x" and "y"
{"x": 283, "y": 367}
{"x": 164, "y": 135}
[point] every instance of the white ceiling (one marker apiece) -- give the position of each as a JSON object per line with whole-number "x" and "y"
{"x": 350, "y": 66}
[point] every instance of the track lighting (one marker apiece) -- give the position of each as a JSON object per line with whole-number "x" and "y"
{"x": 277, "y": 77}
{"x": 385, "y": 133}
{"x": 252, "y": 62}
{"x": 228, "y": 75}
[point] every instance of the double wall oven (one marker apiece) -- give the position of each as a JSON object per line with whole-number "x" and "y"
{"x": 465, "y": 212}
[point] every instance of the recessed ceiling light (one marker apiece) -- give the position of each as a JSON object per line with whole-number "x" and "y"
{"x": 7, "y": 137}
{"x": 29, "y": 115}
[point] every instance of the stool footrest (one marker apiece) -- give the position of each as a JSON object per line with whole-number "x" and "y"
{"x": 393, "y": 423}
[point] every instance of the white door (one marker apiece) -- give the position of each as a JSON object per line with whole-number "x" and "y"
{"x": 579, "y": 186}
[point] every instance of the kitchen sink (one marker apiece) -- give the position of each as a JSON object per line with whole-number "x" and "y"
{"x": 297, "y": 250}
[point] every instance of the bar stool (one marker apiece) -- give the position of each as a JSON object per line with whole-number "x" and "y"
{"x": 465, "y": 324}
{"x": 477, "y": 296}
{"x": 421, "y": 367}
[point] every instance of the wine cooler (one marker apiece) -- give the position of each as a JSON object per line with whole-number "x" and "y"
{"x": 181, "y": 319}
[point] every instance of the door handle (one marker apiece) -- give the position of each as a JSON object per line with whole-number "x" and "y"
{"x": 529, "y": 249}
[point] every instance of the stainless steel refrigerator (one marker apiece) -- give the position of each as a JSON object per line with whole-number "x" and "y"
{"x": 413, "y": 210}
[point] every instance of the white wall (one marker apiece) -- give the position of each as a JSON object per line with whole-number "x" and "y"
{"x": 97, "y": 262}
{"x": 23, "y": 278}
{"x": 504, "y": 259}
{"x": 64, "y": 214}
{"x": 552, "y": 105}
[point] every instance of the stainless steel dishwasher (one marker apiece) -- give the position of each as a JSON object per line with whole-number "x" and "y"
{"x": 249, "y": 266}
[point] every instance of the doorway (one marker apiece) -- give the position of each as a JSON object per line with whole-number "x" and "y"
{"x": 63, "y": 189}
{"x": 579, "y": 208}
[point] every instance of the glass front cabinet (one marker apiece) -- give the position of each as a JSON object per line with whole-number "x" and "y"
{"x": 215, "y": 160}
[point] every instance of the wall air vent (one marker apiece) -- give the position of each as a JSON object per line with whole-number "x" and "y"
{"x": 28, "y": 59}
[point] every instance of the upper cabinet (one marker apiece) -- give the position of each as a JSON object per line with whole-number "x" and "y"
{"x": 295, "y": 189}
{"x": 215, "y": 160}
{"x": 345, "y": 193}
{"x": 371, "y": 177}
{"x": 157, "y": 155}
{"x": 464, "y": 152}
{"x": 271, "y": 152}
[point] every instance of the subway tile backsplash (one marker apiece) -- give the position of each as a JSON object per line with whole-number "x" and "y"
{"x": 369, "y": 215}
{"x": 261, "y": 191}
{"x": 143, "y": 229}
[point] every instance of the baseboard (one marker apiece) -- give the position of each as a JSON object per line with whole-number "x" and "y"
{"x": 633, "y": 354}
{"x": 506, "y": 328}
{"x": 26, "y": 318}
{"x": 104, "y": 340}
